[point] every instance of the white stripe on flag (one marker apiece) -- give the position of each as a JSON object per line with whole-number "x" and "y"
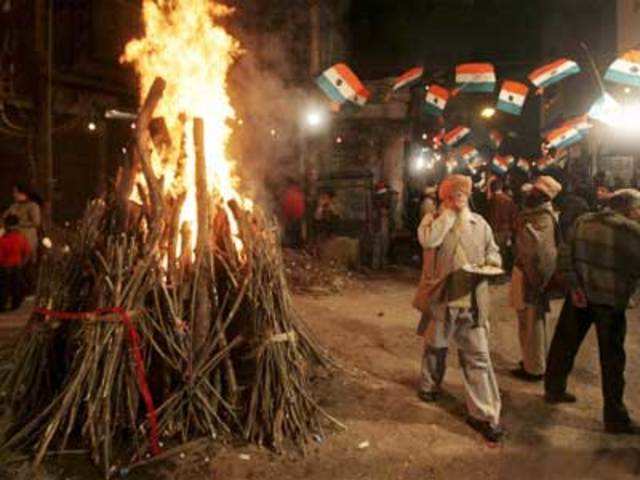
{"x": 345, "y": 89}
{"x": 511, "y": 97}
{"x": 559, "y": 70}
{"x": 476, "y": 77}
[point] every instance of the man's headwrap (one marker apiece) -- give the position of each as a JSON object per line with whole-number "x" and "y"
{"x": 454, "y": 184}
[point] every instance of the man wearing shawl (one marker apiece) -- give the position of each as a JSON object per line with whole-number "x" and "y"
{"x": 455, "y": 305}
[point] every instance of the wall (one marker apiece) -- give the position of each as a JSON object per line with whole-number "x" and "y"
{"x": 628, "y": 25}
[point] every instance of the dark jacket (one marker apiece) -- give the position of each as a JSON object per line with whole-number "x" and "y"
{"x": 572, "y": 206}
{"x": 502, "y": 216}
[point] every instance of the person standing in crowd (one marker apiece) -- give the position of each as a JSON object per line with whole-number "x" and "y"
{"x": 603, "y": 195}
{"x": 326, "y": 214}
{"x": 293, "y": 211}
{"x": 502, "y": 217}
{"x": 429, "y": 204}
{"x": 381, "y": 225}
{"x": 28, "y": 213}
{"x": 537, "y": 242}
{"x": 14, "y": 254}
{"x": 455, "y": 305}
{"x": 429, "y": 212}
{"x": 525, "y": 190}
{"x": 601, "y": 265}
{"x": 26, "y": 207}
{"x": 572, "y": 205}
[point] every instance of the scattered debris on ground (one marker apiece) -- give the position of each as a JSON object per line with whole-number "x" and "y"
{"x": 307, "y": 273}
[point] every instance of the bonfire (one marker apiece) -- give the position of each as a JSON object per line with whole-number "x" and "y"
{"x": 164, "y": 315}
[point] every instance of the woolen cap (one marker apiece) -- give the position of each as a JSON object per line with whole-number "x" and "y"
{"x": 630, "y": 197}
{"x": 548, "y": 185}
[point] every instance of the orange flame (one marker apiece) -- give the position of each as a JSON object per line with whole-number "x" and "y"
{"x": 185, "y": 46}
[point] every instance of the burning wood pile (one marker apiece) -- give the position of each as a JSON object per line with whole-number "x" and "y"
{"x": 171, "y": 320}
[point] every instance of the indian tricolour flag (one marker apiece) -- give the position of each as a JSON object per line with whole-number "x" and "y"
{"x": 341, "y": 85}
{"x": 476, "y": 77}
{"x": 580, "y": 123}
{"x": 543, "y": 164}
{"x": 436, "y": 100}
{"x": 456, "y": 135}
{"x": 563, "y": 137}
{"x": 553, "y": 72}
{"x": 501, "y": 164}
{"x": 512, "y": 97}
{"x": 468, "y": 153}
{"x": 625, "y": 72}
{"x": 408, "y": 78}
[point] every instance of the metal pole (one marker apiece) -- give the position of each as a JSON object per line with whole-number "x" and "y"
{"x": 314, "y": 37}
{"x": 44, "y": 57}
{"x": 103, "y": 158}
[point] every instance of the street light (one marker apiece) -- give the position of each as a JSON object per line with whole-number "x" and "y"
{"x": 488, "y": 112}
{"x": 423, "y": 161}
{"x": 92, "y": 126}
{"x": 315, "y": 118}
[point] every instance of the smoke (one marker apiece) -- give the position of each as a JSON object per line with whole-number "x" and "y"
{"x": 270, "y": 88}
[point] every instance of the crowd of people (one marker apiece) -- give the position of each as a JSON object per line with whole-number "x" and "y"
{"x": 553, "y": 239}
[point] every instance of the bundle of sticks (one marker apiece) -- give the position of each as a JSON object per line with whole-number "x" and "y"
{"x": 132, "y": 340}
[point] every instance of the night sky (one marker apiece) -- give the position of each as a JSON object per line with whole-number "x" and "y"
{"x": 386, "y": 36}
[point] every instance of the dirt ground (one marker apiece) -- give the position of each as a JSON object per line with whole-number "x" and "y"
{"x": 390, "y": 434}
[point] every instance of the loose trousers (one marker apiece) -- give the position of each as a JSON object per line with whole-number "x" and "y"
{"x": 482, "y": 394}
{"x": 611, "y": 327}
{"x": 532, "y": 334}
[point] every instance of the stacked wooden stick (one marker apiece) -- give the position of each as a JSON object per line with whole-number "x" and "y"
{"x": 222, "y": 349}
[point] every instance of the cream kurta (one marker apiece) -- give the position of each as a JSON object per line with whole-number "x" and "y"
{"x": 28, "y": 214}
{"x": 456, "y": 308}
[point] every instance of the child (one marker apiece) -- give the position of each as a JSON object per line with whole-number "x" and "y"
{"x": 14, "y": 254}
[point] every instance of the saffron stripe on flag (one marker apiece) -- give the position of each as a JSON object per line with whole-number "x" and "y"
{"x": 409, "y": 77}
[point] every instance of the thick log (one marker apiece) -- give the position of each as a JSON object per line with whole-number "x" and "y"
{"x": 174, "y": 234}
{"x": 143, "y": 140}
{"x": 125, "y": 183}
{"x": 202, "y": 190}
{"x": 203, "y": 242}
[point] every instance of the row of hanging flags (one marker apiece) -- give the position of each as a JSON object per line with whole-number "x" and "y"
{"x": 481, "y": 78}
{"x": 470, "y": 162}
{"x": 467, "y": 156}
{"x": 342, "y": 86}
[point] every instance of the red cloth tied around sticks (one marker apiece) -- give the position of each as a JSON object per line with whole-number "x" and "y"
{"x": 134, "y": 341}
